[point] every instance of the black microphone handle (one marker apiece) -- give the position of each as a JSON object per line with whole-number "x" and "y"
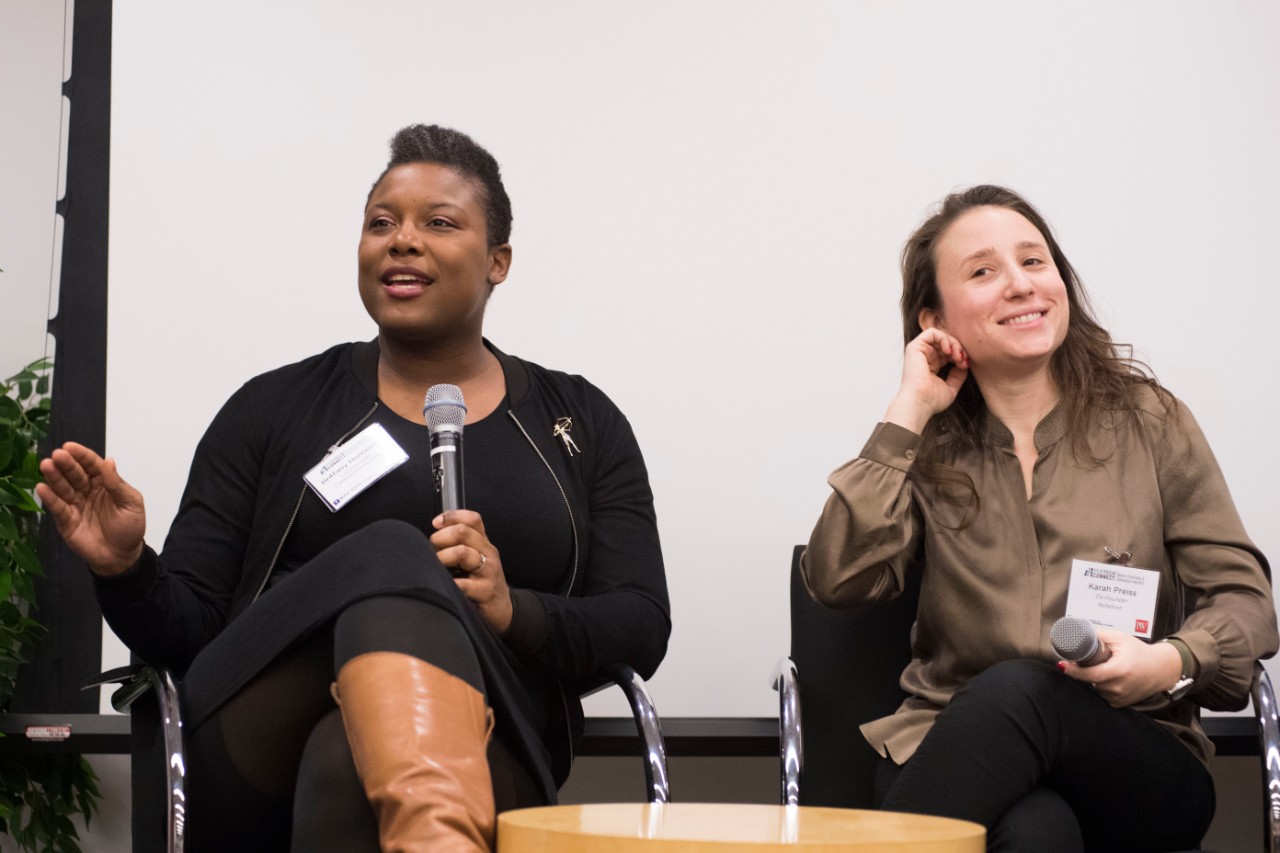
{"x": 446, "y": 468}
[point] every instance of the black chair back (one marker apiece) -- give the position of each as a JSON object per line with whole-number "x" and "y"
{"x": 849, "y": 663}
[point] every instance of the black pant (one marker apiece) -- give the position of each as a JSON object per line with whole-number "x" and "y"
{"x": 1046, "y": 764}
{"x": 268, "y": 759}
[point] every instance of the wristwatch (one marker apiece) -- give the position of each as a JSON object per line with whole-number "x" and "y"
{"x": 1184, "y": 684}
{"x": 1181, "y": 688}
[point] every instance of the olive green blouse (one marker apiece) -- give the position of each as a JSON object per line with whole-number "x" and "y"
{"x": 991, "y": 590}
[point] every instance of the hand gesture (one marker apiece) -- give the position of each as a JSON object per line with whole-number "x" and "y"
{"x": 461, "y": 544}
{"x": 1135, "y": 670}
{"x": 100, "y": 516}
{"x": 923, "y": 392}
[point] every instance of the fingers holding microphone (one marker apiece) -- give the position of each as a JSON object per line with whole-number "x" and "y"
{"x": 463, "y": 546}
{"x": 1123, "y": 669}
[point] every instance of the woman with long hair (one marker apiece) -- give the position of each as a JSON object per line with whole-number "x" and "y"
{"x": 1022, "y": 439}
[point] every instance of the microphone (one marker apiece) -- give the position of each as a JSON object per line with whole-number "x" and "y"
{"x": 445, "y": 412}
{"x": 1075, "y": 639}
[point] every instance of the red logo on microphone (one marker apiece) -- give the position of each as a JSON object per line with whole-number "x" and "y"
{"x": 1142, "y": 625}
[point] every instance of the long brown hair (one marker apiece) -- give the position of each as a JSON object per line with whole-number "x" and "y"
{"x": 1091, "y": 371}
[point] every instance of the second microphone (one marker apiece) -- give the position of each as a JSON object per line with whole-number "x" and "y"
{"x": 1076, "y": 640}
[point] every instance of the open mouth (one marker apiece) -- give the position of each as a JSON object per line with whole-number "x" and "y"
{"x": 404, "y": 283}
{"x": 1023, "y": 319}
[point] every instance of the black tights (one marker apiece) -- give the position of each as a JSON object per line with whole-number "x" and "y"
{"x": 1045, "y": 764}
{"x": 272, "y": 763}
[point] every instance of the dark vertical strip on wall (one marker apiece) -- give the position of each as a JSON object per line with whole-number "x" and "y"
{"x": 72, "y": 652}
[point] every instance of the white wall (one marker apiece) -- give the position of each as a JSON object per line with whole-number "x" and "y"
{"x": 710, "y": 198}
{"x": 31, "y": 74}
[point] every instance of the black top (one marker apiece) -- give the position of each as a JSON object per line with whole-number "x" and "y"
{"x": 237, "y": 514}
{"x": 523, "y": 511}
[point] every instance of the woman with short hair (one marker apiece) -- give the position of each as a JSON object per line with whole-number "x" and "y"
{"x": 437, "y": 628}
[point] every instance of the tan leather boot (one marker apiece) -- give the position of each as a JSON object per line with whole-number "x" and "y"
{"x": 419, "y": 738}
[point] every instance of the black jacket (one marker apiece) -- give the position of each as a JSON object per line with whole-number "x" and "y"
{"x": 246, "y": 484}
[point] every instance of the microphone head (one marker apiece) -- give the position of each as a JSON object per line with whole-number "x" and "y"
{"x": 1074, "y": 639}
{"x": 444, "y": 408}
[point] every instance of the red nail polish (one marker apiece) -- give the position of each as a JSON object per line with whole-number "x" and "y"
{"x": 1062, "y": 666}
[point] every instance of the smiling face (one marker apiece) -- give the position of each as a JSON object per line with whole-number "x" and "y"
{"x": 999, "y": 292}
{"x": 425, "y": 264}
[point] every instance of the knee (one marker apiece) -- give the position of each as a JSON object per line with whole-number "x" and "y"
{"x": 1041, "y": 820}
{"x": 1013, "y": 681}
{"x": 408, "y": 626}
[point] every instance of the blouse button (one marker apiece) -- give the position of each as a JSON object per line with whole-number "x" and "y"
{"x": 911, "y": 454}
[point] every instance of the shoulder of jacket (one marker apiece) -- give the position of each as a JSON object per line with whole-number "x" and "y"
{"x": 302, "y": 375}
{"x": 563, "y": 388}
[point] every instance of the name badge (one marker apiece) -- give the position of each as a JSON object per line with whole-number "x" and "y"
{"x": 1120, "y": 597}
{"x": 349, "y": 469}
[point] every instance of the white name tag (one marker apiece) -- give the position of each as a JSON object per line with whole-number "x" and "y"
{"x": 1120, "y": 597}
{"x": 348, "y": 470}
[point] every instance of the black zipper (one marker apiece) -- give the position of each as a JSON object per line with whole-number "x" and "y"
{"x": 573, "y": 577}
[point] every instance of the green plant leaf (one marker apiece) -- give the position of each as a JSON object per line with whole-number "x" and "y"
{"x": 26, "y": 558}
{"x": 24, "y": 479}
{"x": 10, "y": 410}
{"x": 11, "y": 495}
{"x": 10, "y": 615}
{"x": 8, "y": 528}
{"x": 23, "y": 587}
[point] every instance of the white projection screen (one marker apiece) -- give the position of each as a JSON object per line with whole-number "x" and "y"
{"x": 710, "y": 199}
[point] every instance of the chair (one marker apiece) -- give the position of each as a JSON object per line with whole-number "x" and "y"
{"x": 155, "y": 737}
{"x": 831, "y": 651}
{"x": 157, "y": 728}
{"x": 843, "y": 671}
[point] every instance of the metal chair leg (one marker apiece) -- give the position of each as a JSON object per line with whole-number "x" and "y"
{"x": 649, "y": 729}
{"x": 135, "y": 681}
{"x": 790, "y": 737}
{"x": 1264, "y": 707}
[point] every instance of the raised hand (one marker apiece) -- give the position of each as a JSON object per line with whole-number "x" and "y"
{"x": 100, "y": 516}
{"x": 923, "y": 393}
{"x": 461, "y": 544}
